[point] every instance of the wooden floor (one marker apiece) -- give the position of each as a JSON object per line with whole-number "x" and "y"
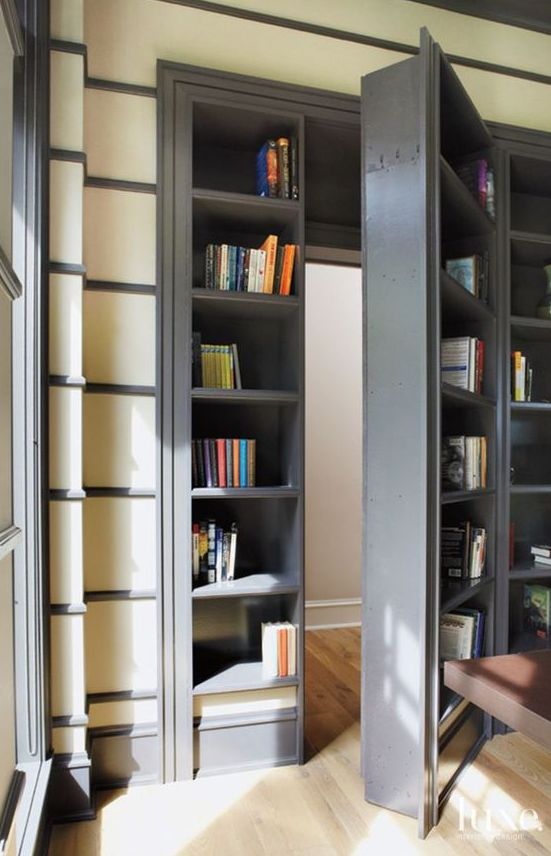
{"x": 319, "y": 809}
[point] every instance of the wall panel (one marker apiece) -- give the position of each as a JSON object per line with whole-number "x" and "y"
{"x": 66, "y": 552}
{"x": 67, "y": 658}
{"x": 7, "y": 694}
{"x": 65, "y": 438}
{"x": 5, "y": 413}
{"x": 66, "y": 212}
{"x": 121, "y": 645}
{"x": 66, "y": 94}
{"x": 66, "y": 20}
{"x": 6, "y": 101}
{"x": 65, "y": 331}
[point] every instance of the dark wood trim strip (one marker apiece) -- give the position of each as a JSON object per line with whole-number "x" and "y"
{"x": 67, "y": 608}
{"x": 496, "y": 11}
{"x": 119, "y": 594}
{"x": 119, "y": 287}
{"x": 120, "y": 184}
{"x": 10, "y": 806}
{"x": 67, "y": 380}
{"x": 62, "y": 494}
{"x": 118, "y": 491}
{"x": 119, "y": 389}
{"x": 119, "y": 695}
{"x": 68, "y": 155}
{"x": 66, "y": 267}
{"x": 67, "y": 760}
{"x": 9, "y": 281}
{"x": 119, "y": 86}
{"x": 13, "y": 26}
{"x": 355, "y": 38}
{"x": 68, "y": 47}
{"x": 9, "y": 539}
{"x": 72, "y": 720}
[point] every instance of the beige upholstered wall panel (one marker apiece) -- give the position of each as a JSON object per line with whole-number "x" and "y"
{"x": 119, "y": 441}
{"x": 125, "y": 148}
{"x": 65, "y": 438}
{"x": 6, "y": 102}
{"x": 66, "y": 100}
{"x": 119, "y": 235}
{"x": 119, "y": 338}
{"x": 66, "y": 211}
{"x": 66, "y": 20}
{"x": 7, "y": 693}
{"x": 65, "y": 333}
{"x": 69, "y": 740}
{"x": 119, "y": 543}
{"x": 5, "y": 413}
{"x": 138, "y": 712}
{"x": 66, "y": 552}
{"x": 121, "y": 646}
{"x": 67, "y": 656}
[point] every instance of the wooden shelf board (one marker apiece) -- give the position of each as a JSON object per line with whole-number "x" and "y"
{"x": 530, "y": 406}
{"x": 456, "y": 397}
{"x": 451, "y": 496}
{"x": 530, "y": 489}
{"x": 255, "y": 584}
{"x": 529, "y": 570}
{"x": 241, "y": 676}
{"x": 530, "y": 248}
{"x": 461, "y": 213}
{"x": 245, "y": 492}
{"x": 245, "y": 396}
{"x": 243, "y": 304}
{"x": 461, "y": 304}
{"x": 530, "y": 329}
{"x": 249, "y": 200}
{"x": 453, "y": 593}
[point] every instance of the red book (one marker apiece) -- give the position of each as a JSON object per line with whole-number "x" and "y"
{"x": 221, "y": 455}
{"x": 282, "y": 660}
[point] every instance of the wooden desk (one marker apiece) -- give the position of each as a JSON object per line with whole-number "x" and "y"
{"x": 515, "y": 688}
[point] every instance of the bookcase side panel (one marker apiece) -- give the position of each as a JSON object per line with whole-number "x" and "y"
{"x": 396, "y": 430}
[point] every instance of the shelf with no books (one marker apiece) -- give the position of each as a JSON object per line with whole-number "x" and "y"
{"x": 530, "y": 406}
{"x": 460, "y": 303}
{"x": 532, "y": 249}
{"x": 450, "y": 496}
{"x": 530, "y": 489}
{"x": 529, "y": 570}
{"x": 454, "y": 396}
{"x": 454, "y": 593}
{"x": 273, "y": 492}
{"x": 531, "y": 329}
{"x": 253, "y": 584}
{"x": 242, "y": 304}
{"x": 244, "y": 396}
{"x": 462, "y": 216}
{"x": 240, "y": 677}
{"x": 248, "y": 205}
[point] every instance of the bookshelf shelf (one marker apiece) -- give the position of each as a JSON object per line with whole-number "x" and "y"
{"x": 277, "y": 492}
{"x": 205, "y": 197}
{"x": 461, "y": 304}
{"x": 452, "y": 496}
{"x": 241, "y": 677}
{"x": 454, "y": 593}
{"x": 243, "y": 304}
{"x": 530, "y": 406}
{"x": 531, "y": 329}
{"x": 244, "y": 396}
{"x": 242, "y": 213}
{"x": 529, "y": 571}
{"x": 530, "y": 249}
{"x": 530, "y": 489}
{"x": 453, "y": 396}
{"x": 254, "y": 584}
{"x": 462, "y": 216}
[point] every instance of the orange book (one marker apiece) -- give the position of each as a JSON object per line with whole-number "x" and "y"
{"x": 270, "y": 248}
{"x": 221, "y": 455}
{"x": 235, "y": 461}
{"x": 287, "y": 271}
{"x": 282, "y": 662}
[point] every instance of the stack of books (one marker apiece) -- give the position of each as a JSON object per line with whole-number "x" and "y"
{"x": 478, "y": 177}
{"x": 472, "y": 272}
{"x": 464, "y": 463}
{"x": 213, "y": 553}
{"x": 537, "y": 610}
{"x": 463, "y": 551}
{"x": 215, "y": 366}
{"x": 541, "y": 554}
{"x": 462, "y": 362}
{"x": 266, "y": 270}
{"x": 223, "y": 462}
{"x": 279, "y": 649}
{"x": 521, "y": 377}
{"x": 277, "y": 168}
{"x": 461, "y": 634}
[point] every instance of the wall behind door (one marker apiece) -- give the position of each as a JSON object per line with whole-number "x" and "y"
{"x": 333, "y": 376}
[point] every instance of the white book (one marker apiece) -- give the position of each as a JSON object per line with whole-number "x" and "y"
{"x": 260, "y": 270}
{"x": 469, "y": 461}
{"x": 456, "y": 636}
{"x": 542, "y": 560}
{"x": 541, "y": 550}
{"x": 522, "y": 379}
{"x": 472, "y": 364}
{"x": 454, "y": 361}
{"x": 224, "y": 267}
{"x": 269, "y": 650}
{"x": 291, "y": 649}
{"x": 253, "y": 266}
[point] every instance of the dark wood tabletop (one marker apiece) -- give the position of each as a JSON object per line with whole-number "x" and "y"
{"x": 515, "y": 688}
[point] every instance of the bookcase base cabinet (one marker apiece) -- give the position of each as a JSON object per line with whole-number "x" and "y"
{"x": 226, "y": 745}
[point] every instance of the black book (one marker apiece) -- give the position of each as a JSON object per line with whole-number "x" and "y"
{"x": 213, "y": 463}
{"x": 209, "y": 266}
{"x": 194, "y": 464}
{"x": 453, "y": 463}
{"x": 293, "y": 167}
{"x": 196, "y": 362}
{"x": 278, "y": 268}
{"x": 201, "y": 479}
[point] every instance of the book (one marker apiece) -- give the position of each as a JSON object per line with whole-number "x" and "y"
{"x": 457, "y": 636}
{"x": 537, "y": 610}
{"x": 236, "y": 368}
{"x": 235, "y": 458}
{"x": 270, "y": 248}
{"x": 195, "y": 551}
{"x": 521, "y": 377}
{"x": 541, "y": 550}
{"x": 464, "y": 463}
{"x": 542, "y": 560}
{"x": 293, "y": 167}
{"x": 455, "y": 357}
{"x": 260, "y": 271}
{"x": 211, "y": 555}
{"x": 243, "y": 467}
{"x": 221, "y": 462}
{"x": 282, "y": 658}
{"x": 219, "y": 545}
{"x": 203, "y": 550}
{"x": 287, "y": 269}
{"x": 283, "y": 172}
{"x": 251, "y": 463}
{"x": 233, "y": 551}
{"x": 269, "y": 643}
{"x": 465, "y": 272}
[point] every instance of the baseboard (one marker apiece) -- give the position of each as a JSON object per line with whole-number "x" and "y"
{"x": 330, "y": 614}
{"x": 124, "y": 754}
{"x": 70, "y": 791}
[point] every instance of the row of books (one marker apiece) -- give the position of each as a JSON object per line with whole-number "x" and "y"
{"x": 537, "y": 610}
{"x": 213, "y": 552}
{"x": 215, "y": 366}
{"x": 223, "y": 462}
{"x": 464, "y": 462}
{"x": 277, "y": 168}
{"x": 541, "y": 554}
{"x": 478, "y": 177}
{"x": 472, "y": 272}
{"x": 461, "y": 634}
{"x": 521, "y": 377}
{"x": 463, "y": 551}
{"x": 266, "y": 270}
{"x": 462, "y": 362}
{"x": 279, "y": 649}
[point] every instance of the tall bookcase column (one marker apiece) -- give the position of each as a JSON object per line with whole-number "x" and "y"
{"x": 212, "y": 659}
{"x": 66, "y": 271}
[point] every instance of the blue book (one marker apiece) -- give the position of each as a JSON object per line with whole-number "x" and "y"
{"x": 240, "y": 275}
{"x": 262, "y": 172}
{"x": 232, "y": 268}
{"x": 219, "y": 551}
{"x": 243, "y": 463}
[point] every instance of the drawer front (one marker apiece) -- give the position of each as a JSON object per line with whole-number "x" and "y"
{"x": 222, "y": 749}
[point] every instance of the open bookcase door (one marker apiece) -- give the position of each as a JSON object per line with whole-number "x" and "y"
{"x": 400, "y": 190}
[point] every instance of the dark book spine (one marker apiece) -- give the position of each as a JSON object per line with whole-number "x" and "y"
{"x": 219, "y": 552}
{"x": 229, "y": 463}
{"x": 217, "y": 273}
{"x": 283, "y": 167}
{"x": 232, "y": 268}
{"x": 214, "y": 463}
{"x": 272, "y": 169}
{"x": 211, "y": 555}
{"x": 209, "y": 266}
{"x": 278, "y": 269}
{"x": 203, "y": 551}
{"x": 294, "y": 168}
{"x": 246, "y": 268}
{"x": 262, "y": 171}
{"x": 207, "y": 464}
{"x": 197, "y": 368}
{"x": 194, "y": 465}
{"x": 240, "y": 269}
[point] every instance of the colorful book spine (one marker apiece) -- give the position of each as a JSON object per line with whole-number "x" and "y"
{"x": 242, "y": 463}
{"x": 211, "y": 556}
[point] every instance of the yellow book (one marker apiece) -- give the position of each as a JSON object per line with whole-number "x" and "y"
{"x": 270, "y": 248}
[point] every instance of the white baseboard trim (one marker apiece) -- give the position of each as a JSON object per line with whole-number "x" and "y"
{"x": 330, "y": 614}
